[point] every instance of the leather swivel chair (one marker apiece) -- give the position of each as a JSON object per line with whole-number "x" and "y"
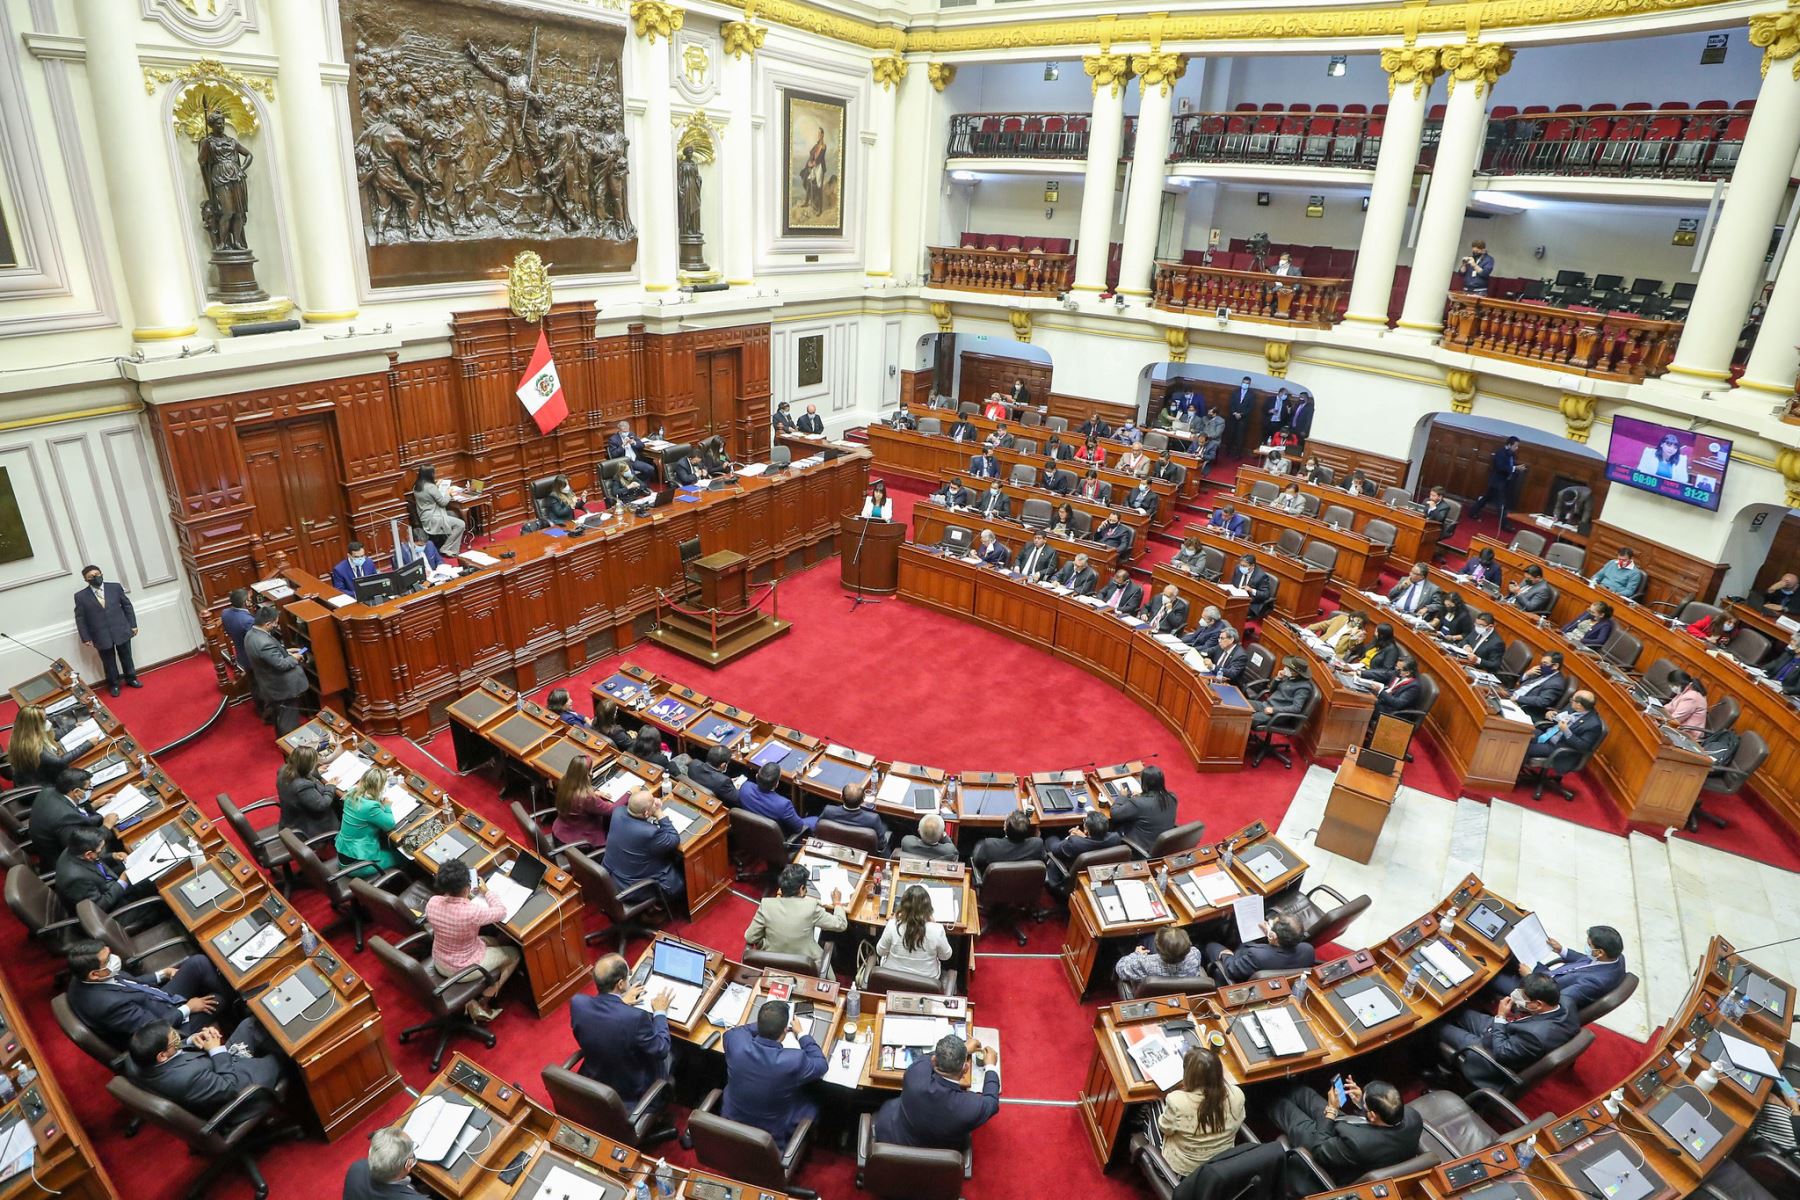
{"x": 410, "y": 964}
{"x": 230, "y": 1139}
{"x": 746, "y": 1153}
{"x": 593, "y": 1105}
{"x": 630, "y": 912}
{"x": 857, "y": 837}
{"x": 893, "y": 979}
{"x": 333, "y": 879}
{"x": 1599, "y": 1006}
{"x": 1517, "y": 1083}
{"x": 1318, "y": 923}
{"x": 263, "y": 841}
{"x": 1563, "y": 761}
{"x": 908, "y": 1172}
{"x": 1012, "y": 890}
{"x": 149, "y": 948}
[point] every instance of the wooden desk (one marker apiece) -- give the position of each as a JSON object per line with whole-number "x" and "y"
{"x": 889, "y": 879}
{"x": 1357, "y": 808}
{"x": 1113, "y": 447}
{"x": 1343, "y": 715}
{"x": 1415, "y": 538}
{"x": 1566, "y": 1142}
{"x": 561, "y": 600}
{"x": 1359, "y": 560}
{"x": 1334, "y": 1036}
{"x": 1200, "y": 594}
{"x": 66, "y": 1161}
{"x": 1131, "y": 518}
{"x": 1211, "y": 718}
{"x": 1298, "y": 585}
{"x": 929, "y": 521}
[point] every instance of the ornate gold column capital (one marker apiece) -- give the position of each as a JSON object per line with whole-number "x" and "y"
{"x": 651, "y": 19}
{"x": 741, "y": 38}
{"x": 1779, "y": 36}
{"x": 942, "y": 75}
{"x": 1480, "y": 63}
{"x": 940, "y": 312}
{"x": 1021, "y": 323}
{"x": 1158, "y": 70}
{"x": 1462, "y": 385}
{"x": 1108, "y": 71}
{"x": 1578, "y": 415}
{"x": 1788, "y": 463}
{"x": 1177, "y": 337}
{"x": 1417, "y": 65}
{"x": 889, "y": 71}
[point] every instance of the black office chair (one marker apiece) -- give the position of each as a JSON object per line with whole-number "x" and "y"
{"x": 1012, "y": 890}
{"x": 593, "y": 1105}
{"x": 1250, "y": 1170}
{"x": 813, "y": 966}
{"x": 541, "y": 491}
{"x": 445, "y": 999}
{"x": 1528, "y": 541}
{"x": 1622, "y": 649}
{"x": 857, "y": 837}
{"x": 1563, "y": 761}
{"x": 1729, "y": 780}
{"x": 1516, "y": 1083}
{"x": 230, "y": 1139}
{"x": 630, "y": 912}
{"x": 1654, "y": 682}
{"x": 672, "y": 455}
{"x": 908, "y": 1172}
{"x": 757, "y": 846}
{"x": 333, "y": 879}
{"x": 1152, "y": 986}
{"x": 1723, "y": 714}
{"x": 1428, "y": 698}
{"x": 1462, "y": 1125}
{"x": 1602, "y": 1004}
{"x": 144, "y": 948}
{"x": 400, "y": 911}
{"x": 39, "y": 909}
{"x": 883, "y": 980}
{"x": 688, "y": 549}
{"x": 1319, "y": 924}
{"x": 264, "y": 842}
{"x": 745, "y": 1152}
{"x": 1281, "y": 725}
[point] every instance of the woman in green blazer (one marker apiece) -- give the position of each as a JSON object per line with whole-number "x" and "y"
{"x": 367, "y": 819}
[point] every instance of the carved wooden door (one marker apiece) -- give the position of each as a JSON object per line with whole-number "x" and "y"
{"x": 293, "y": 469}
{"x": 716, "y": 387}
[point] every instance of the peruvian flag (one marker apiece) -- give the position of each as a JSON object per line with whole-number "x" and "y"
{"x": 541, "y": 390}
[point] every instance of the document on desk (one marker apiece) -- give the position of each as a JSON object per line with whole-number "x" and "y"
{"x": 340, "y": 600}
{"x": 615, "y": 787}
{"x": 344, "y": 770}
{"x": 946, "y": 903}
{"x": 257, "y": 948}
{"x": 477, "y": 557}
{"x": 679, "y": 819}
{"x": 1265, "y": 864}
{"x": 434, "y": 1127}
{"x": 897, "y": 789}
{"x": 108, "y": 773}
{"x": 1529, "y": 943}
{"x": 752, "y": 470}
{"x": 847, "y": 1060}
{"x": 126, "y": 803}
{"x": 914, "y": 1031}
{"x": 732, "y": 1007}
{"x": 1278, "y": 1027}
{"x": 1159, "y": 1059}
{"x": 1249, "y": 913}
{"x": 684, "y": 997}
{"x": 18, "y": 1150}
{"x": 81, "y": 735}
{"x": 829, "y": 878}
{"x": 1444, "y": 962}
{"x": 1216, "y": 887}
{"x": 1111, "y": 911}
{"x": 401, "y": 800}
{"x": 1135, "y": 896}
{"x": 151, "y": 857}
{"x": 513, "y": 896}
{"x": 566, "y": 1184}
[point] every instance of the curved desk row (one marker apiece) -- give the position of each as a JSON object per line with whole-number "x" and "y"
{"x": 1212, "y": 718}
{"x": 1112, "y": 446}
{"x": 1764, "y": 709}
{"x": 1298, "y": 584}
{"x": 1131, "y": 518}
{"x": 1415, "y": 538}
{"x": 1347, "y": 1007}
{"x": 930, "y": 519}
{"x": 1669, "y": 1133}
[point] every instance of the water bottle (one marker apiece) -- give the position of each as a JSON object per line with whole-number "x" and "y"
{"x": 1410, "y": 988}
{"x": 853, "y": 1004}
{"x": 143, "y": 769}
{"x": 309, "y": 941}
{"x": 1684, "y": 1056}
{"x": 1527, "y": 1151}
{"x": 643, "y": 1190}
{"x": 24, "y": 1075}
{"x": 6, "y": 1087}
{"x": 1447, "y": 922}
{"x": 665, "y": 1181}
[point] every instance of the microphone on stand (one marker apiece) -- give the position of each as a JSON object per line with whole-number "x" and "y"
{"x": 15, "y": 641}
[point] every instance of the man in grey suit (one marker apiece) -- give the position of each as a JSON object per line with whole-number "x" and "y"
{"x": 105, "y": 620}
{"x": 1078, "y": 576}
{"x": 1416, "y": 592}
{"x": 383, "y": 1175}
{"x": 203, "y": 1079}
{"x": 280, "y": 679}
{"x": 1532, "y": 594}
{"x": 790, "y": 921}
{"x": 1168, "y": 613}
{"x": 929, "y": 842}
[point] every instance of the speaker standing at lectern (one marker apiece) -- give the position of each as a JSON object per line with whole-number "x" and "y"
{"x": 876, "y": 504}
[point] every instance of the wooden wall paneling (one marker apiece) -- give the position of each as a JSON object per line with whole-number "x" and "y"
{"x": 669, "y": 384}
{"x": 1212, "y": 394}
{"x": 984, "y": 374}
{"x": 915, "y": 387}
{"x": 1674, "y": 576}
{"x": 616, "y": 393}
{"x": 479, "y": 635}
{"x": 1386, "y": 471}
{"x": 758, "y": 544}
{"x": 1784, "y": 553}
{"x": 1457, "y": 460}
{"x": 534, "y": 630}
{"x": 424, "y": 396}
{"x": 1076, "y": 409}
{"x": 637, "y": 586}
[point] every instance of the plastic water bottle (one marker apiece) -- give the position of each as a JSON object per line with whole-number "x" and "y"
{"x": 665, "y": 1181}
{"x": 309, "y": 941}
{"x": 143, "y": 768}
{"x": 853, "y": 1004}
{"x": 1410, "y": 988}
{"x": 643, "y": 1190}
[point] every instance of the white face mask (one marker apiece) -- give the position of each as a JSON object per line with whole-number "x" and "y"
{"x": 114, "y": 964}
{"x": 1519, "y": 998}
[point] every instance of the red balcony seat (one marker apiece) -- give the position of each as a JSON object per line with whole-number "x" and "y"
{"x": 1356, "y": 109}
{"x": 1056, "y": 245}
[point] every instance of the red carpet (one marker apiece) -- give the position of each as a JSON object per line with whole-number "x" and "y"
{"x": 870, "y": 678}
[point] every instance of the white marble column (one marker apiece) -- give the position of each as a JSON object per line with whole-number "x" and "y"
{"x": 878, "y": 202}
{"x": 1410, "y": 71}
{"x": 1774, "y": 361}
{"x": 1156, "y": 74}
{"x": 327, "y": 286}
{"x": 1106, "y": 133}
{"x": 655, "y": 24}
{"x": 140, "y": 193}
{"x": 736, "y": 157}
{"x": 920, "y": 133}
{"x": 1471, "y": 70}
{"x": 1732, "y": 272}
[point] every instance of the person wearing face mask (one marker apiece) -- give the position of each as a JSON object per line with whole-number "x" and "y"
{"x": 1292, "y": 691}
{"x": 1582, "y": 978}
{"x": 985, "y": 465}
{"x": 356, "y": 565}
{"x": 995, "y": 503}
{"x": 105, "y": 620}
{"x": 60, "y": 809}
{"x": 202, "y": 1077}
{"x": 992, "y": 552}
{"x": 189, "y": 995}
{"x": 1531, "y": 1022}
{"x": 88, "y": 870}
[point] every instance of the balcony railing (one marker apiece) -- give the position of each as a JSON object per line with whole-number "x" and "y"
{"x": 1020, "y": 272}
{"x": 1603, "y": 345}
{"x": 1679, "y": 143}
{"x": 1293, "y": 137}
{"x": 1250, "y": 295}
{"x": 1018, "y": 135}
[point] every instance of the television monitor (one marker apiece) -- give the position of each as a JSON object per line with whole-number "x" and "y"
{"x": 1678, "y": 463}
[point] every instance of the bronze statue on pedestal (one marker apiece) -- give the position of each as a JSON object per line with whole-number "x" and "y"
{"x": 687, "y": 212}
{"x": 224, "y": 168}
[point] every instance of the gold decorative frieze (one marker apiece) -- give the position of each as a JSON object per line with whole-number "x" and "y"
{"x": 651, "y": 19}
{"x": 208, "y": 71}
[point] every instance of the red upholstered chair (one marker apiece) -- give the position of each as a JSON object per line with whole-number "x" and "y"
{"x": 1056, "y": 245}
{"x": 1031, "y": 137}
{"x": 970, "y": 241}
{"x": 1011, "y": 132}
{"x": 1029, "y": 244}
{"x": 1078, "y": 136}
{"x": 1325, "y": 108}
{"x": 1688, "y": 155}
{"x": 1054, "y": 140}
{"x": 1653, "y": 147}
{"x": 1262, "y": 136}
{"x": 1581, "y": 155}
{"x": 1636, "y": 106}
{"x": 987, "y": 137}
{"x": 1009, "y": 241}
{"x": 1287, "y": 141}
{"x": 1317, "y": 147}
{"x": 1237, "y": 135}
{"x": 1346, "y": 140}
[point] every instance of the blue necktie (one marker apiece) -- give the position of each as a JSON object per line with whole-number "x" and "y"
{"x": 104, "y": 873}
{"x": 155, "y": 993}
{"x": 1781, "y": 675}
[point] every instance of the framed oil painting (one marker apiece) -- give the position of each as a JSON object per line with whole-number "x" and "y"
{"x": 812, "y": 186}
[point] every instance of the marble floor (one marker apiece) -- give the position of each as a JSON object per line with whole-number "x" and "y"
{"x": 1665, "y": 898}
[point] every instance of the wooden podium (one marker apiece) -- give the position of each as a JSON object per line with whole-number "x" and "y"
{"x": 880, "y": 554}
{"x": 1357, "y": 808}
{"x": 728, "y": 624}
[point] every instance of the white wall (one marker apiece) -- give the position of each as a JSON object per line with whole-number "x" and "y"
{"x": 1015, "y": 204}
{"x": 1301, "y": 79}
{"x": 1655, "y": 69}
{"x": 1237, "y": 215}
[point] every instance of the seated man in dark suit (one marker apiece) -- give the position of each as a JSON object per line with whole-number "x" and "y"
{"x": 1019, "y": 844}
{"x": 962, "y": 431}
{"x": 1582, "y": 978}
{"x": 763, "y": 1078}
{"x": 622, "y": 443}
{"x": 761, "y": 794}
{"x": 1095, "y": 427}
{"x": 1038, "y": 559}
{"x": 929, "y": 842}
{"x": 1078, "y": 576}
{"x": 1345, "y": 1146}
{"x": 991, "y": 551}
{"x": 417, "y": 546}
{"x": 810, "y": 420}
{"x": 1122, "y": 593}
{"x": 1532, "y": 594}
{"x": 1542, "y": 688}
{"x": 1248, "y": 577}
{"x": 850, "y": 810}
{"x": 59, "y": 810}
{"x": 1289, "y": 695}
{"x": 1531, "y": 1022}
{"x": 1436, "y": 507}
{"x": 1001, "y": 437}
{"x": 190, "y": 996}
{"x": 1094, "y": 833}
{"x": 87, "y": 870}
{"x": 1057, "y": 480}
{"x": 354, "y": 566}
{"x": 621, "y": 1045}
{"x": 1204, "y": 637}
{"x": 642, "y": 844}
{"x": 686, "y": 471}
{"x": 1143, "y": 498}
{"x": 953, "y": 495}
{"x": 1280, "y": 949}
{"x": 933, "y": 1110}
{"x": 1228, "y": 520}
{"x": 985, "y": 465}
{"x": 202, "y": 1079}
{"x": 384, "y": 1175}
{"x": 1416, "y": 592}
{"x": 1400, "y": 693}
{"x": 1482, "y": 645}
{"x": 994, "y": 502}
{"x": 1058, "y": 449}
{"x": 1575, "y": 727}
{"x": 1168, "y": 613}
{"x": 1229, "y": 661}
{"x": 1114, "y": 534}
{"x": 711, "y": 773}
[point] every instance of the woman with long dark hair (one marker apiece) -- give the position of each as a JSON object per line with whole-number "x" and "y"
{"x": 582, "y": 814}
{"x": 1142, "y": 818}
{"x": 1200, "y": 1119}
{"x": 911, "y": 940}
{"x": 1380, "y": 655}
{"x": 308, "y": 805}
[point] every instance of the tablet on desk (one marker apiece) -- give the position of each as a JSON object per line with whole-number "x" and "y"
{"x": 296, "y": 999}
{"x": 684, "y": 964}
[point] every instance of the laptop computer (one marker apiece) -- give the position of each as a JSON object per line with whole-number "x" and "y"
{"x": 683, "y": 964}
{"x": 528, "y": 871}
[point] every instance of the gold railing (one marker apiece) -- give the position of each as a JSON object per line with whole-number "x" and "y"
{"x": 1250, "y": 295}
{"x": 1604, "y": 345}
{"x": 1025, "y": 272}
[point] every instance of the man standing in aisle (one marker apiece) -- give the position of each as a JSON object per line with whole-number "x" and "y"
{"x": 105, "y": 620}
{"x": 275, "y": 672}
{"x": 1237, "y": 416}
{"x": 1501, "y": 470}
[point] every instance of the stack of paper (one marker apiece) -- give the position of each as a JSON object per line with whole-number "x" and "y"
{"x": 1215, "y": 887}
{"x": 343, "y": 771}
{"x": 914, "y": 1031}
{"x": 1159, "y": 1059}
{"x": 252, "y": 951}
{"x": 81, "y": 735}
{"x": 1278, "y": 1027}
{"x": 946, "y": 903}
{"x": 732, "y": 1006}
{"x": 680, "y": 820}
{"x": 1135, "y": 896}
{"x": 1529, "y": 943}
{"x": 616, "y": 787}
{"x": 126, "y": 803}
{"x": 1249, "y": 913}
{"x": 401, "y": 800}
{"x": 477, "y": 557}
{"x": 847, "y": 1060}
{"x": 829, "y": 878}
{"x": 501, "y": 887}
{"x": 18, "y": 1150}
{"x": 151, "y": 857}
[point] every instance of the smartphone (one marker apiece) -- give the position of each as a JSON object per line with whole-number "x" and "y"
{"x": 1337, "y": 1090}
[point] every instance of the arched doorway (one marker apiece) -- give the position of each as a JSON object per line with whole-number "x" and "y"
{"x": 1453, "y": 450}
{"x": 972, "y": 366}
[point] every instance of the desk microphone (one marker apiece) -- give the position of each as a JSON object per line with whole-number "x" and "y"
{"x": 15, "y": 641}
